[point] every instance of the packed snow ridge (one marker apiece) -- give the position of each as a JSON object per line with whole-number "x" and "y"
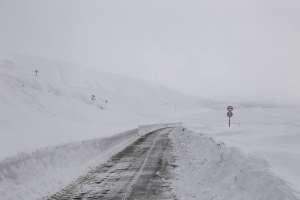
{"x": 210, "y": 170}
{"x": 30, "y": 176}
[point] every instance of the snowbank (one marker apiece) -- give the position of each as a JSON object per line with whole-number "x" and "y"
{"x": 270, "y": 133}
{"x": 210, "y": 170}
{"x": 45, "y": 171}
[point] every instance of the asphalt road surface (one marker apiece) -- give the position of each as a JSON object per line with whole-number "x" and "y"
{"x": 139, "y": 172}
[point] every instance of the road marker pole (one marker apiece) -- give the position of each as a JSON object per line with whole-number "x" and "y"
{"x": 229, "y": 115}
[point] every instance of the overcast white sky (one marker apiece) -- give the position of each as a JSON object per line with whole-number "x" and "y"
{"x": 233, "y": 49}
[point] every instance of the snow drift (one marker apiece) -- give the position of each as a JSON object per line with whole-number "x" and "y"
{"x": 210, "y": 170}
{"x": 29, "y": 176}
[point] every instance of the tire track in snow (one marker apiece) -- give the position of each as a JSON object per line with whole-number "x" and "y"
{"x": 140, "y": 171}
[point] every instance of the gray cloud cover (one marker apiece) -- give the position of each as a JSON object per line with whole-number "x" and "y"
{"x": 228, "y": 50}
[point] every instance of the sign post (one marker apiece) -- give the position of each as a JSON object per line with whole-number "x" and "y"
{"x": 229, "y": 114}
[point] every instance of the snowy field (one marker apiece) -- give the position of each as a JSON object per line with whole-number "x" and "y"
{"x": 268, "y": 133}
{"x": 56, "y": 107}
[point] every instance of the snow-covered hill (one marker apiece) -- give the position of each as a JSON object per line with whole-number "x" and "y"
{"x": 63, "y": 103}
{"x": 55, "y": 104}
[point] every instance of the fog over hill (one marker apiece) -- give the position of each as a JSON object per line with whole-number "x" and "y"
{"x": 238, "y": 50}
{"x": 63, "y": 102}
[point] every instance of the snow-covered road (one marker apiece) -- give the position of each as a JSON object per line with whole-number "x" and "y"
{"x": 137, "y": 172}
{"x": 151, "y": 162}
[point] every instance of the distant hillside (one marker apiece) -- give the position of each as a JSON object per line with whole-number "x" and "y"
{"x": 46, "y": 102}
